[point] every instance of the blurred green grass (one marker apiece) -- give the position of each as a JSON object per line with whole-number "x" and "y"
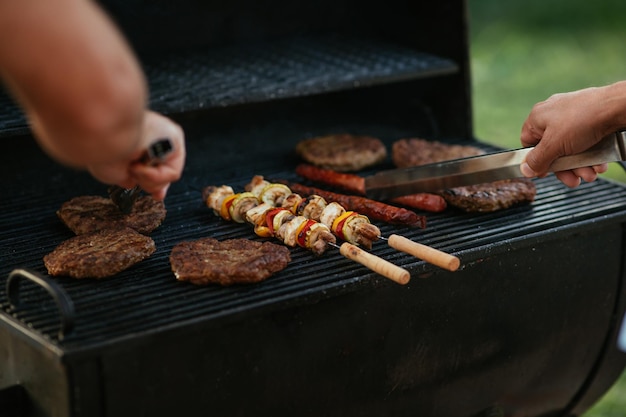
{"x": 523, "y": 51}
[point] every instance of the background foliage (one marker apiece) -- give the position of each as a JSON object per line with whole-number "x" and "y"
{"x": 523, "y": 51}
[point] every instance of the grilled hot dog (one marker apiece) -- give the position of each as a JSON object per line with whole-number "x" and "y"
{"x": 355, "y": 184}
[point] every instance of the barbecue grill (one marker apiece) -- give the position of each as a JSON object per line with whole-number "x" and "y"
{"x": 526, "y": 327}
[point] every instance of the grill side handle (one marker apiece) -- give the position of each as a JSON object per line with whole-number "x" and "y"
{"x": 61, "y": 298}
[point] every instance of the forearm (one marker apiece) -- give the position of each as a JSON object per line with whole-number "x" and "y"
{"x": 75, "y": 77}
{"x": 613, "y": 113}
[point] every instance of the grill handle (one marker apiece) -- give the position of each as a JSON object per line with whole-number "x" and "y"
{"x": 63, "y": 301}
{"x": 376, "y": 264}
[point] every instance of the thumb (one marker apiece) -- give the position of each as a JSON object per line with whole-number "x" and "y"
{"x": 538, "y": 160}
{"x": 528, "y": 165}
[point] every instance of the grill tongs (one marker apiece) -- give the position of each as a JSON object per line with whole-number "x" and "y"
{"x": 484, "y": 168}
{"x": 124, "y": 198}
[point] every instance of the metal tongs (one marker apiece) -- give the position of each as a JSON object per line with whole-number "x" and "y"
{"x": 483, "y": 168}
{"x": 124, "y": 198}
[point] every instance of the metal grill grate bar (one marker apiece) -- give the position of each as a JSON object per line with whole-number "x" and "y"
{"x": 147, "y": 297}
{"x": 260, "y": 72}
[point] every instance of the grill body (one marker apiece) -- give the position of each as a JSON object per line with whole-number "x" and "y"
{"x": 527, "y": 327}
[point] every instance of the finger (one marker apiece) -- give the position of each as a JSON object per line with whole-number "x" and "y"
{"x": 112, "y": 175}
{"x": 568, "y": 178}
{"x": 169, "y": 171}
{"x": 128, "y": 183}
{"x": 530, "y": 135}
{"x": 155, "y": 179}
{"x": 601, "y": 169}
{"x": 527, "y": 171}
{"x": 587, "y": 174}
{"x": 160, "y": 193}
{"x": 535, "y": 164}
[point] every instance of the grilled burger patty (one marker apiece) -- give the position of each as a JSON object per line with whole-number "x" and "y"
{"x": 234, "y": 261}
{"x": 414, "y": 151}
{"x": 99, "y": 254}
{"x": 342, "y": 152}
{"x": 86, "y": 214}
{"x": 491, "y": 196}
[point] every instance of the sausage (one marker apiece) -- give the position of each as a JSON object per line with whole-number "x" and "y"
{"x": 356, "y": 185}
{"x": 423, "y": 201}
{"x": 348, "y": 182}
{"x": 373, "y": 209}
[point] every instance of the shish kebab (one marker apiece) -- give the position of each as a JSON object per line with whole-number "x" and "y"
{"x": 346, "y": 225}
{"x": 292, "y": 230}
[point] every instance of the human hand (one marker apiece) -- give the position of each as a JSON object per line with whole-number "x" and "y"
{"x": 154, "y": 179}
{"x": 567, "y": 124}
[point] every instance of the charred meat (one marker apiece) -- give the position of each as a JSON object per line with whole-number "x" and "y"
{"x": 491, "y": 196}
{"x": 234, "y": 261}
{"x": 342, "y": 152}
{"x": 99, "y": 254}
{"x": 415, "y": 151}
{"x": 86, "y": 214}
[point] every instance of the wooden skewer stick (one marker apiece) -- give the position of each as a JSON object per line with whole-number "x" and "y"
{"x": 373, "y": 262}
{"x": 425, "y": 253}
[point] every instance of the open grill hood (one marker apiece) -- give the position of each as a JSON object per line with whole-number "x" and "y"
{"x": 326, "y": 336}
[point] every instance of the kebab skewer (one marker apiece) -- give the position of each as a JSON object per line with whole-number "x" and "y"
{"x": 347, "y": 225}
{"x": 292, "y": 230}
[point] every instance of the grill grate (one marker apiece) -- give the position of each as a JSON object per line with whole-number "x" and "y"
{"x": 283, "y": 69}
{"x": 147, "y": 298}
{"x": 299, "y": 66}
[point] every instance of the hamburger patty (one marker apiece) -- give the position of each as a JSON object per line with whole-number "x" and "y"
{"x": 88, "y": 214}
{"x": 491, "y": 196}
{"x": 234, "y": 261}
{"x": 99, "y": 254}
{"x": 414, "y": 151}
{"x": 342, "y": 152}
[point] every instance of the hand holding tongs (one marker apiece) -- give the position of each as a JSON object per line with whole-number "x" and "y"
{"x": 483, "y": 168}
{"x": 124, "y": 198}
